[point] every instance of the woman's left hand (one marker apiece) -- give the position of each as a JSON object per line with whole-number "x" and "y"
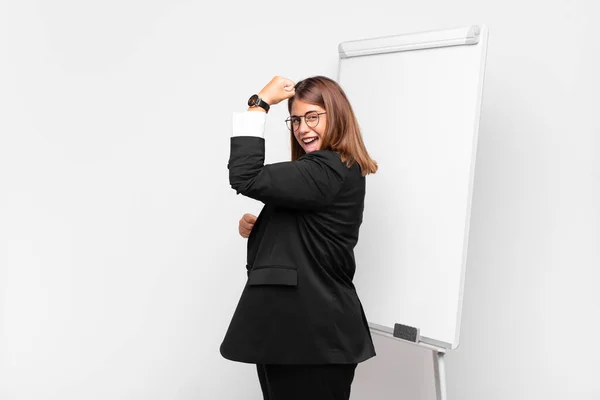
{"x": 277, "y": 90}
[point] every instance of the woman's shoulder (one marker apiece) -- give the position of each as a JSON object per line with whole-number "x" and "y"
{"x": 349, "y": 169}
{"x": 320, "y": 154}
{"x": 330, "y": 159}
{"x": 326, "y": 156}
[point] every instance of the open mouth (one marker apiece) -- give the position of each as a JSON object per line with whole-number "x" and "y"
{"x": 310, "y": 140}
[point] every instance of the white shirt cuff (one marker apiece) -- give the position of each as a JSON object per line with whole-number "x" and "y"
{"x": 249, "y": 123}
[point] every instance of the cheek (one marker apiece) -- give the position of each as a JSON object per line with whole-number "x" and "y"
{"x": 321, "y": 129}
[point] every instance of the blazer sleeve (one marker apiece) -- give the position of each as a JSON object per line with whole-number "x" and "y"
{"x": 310, "y": 182}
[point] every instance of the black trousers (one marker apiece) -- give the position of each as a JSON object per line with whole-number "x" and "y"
{"x": 306, "y": 382}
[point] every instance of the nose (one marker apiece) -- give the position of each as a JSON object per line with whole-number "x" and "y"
{"x": 303, "y": 127}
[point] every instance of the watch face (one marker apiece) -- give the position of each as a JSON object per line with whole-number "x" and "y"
{"x": 253, "y": 100}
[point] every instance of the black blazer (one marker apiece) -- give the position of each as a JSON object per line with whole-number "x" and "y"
{"x": 299, "y": 305}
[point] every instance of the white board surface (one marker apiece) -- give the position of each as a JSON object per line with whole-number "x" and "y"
{"x": 418, "y": 110}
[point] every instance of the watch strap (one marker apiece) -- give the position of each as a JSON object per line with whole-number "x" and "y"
{"x": 256, "y": 101}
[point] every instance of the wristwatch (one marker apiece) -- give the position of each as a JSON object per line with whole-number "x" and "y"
{"x": 254, "y": 101}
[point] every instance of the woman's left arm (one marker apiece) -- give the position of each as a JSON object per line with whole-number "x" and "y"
{"x": 310, "y": 182}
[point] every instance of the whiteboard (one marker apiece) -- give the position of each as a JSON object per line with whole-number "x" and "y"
{"x": 417, "y": 98}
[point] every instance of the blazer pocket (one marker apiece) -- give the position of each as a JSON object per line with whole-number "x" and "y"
{"x": 273, "y": 275}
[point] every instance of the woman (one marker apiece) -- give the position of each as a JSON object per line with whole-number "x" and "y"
{"x": 299, "y": 318}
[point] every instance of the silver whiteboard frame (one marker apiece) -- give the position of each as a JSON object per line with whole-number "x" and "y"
{"x": 412, "y": 41}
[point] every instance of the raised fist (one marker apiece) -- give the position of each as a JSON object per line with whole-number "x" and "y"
{"x": 277, "y": 90}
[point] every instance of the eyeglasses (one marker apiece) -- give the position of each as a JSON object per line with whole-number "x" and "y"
{"x": 311, "y": 118}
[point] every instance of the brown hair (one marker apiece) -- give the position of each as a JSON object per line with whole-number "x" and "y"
{"x": 342, "y": 133}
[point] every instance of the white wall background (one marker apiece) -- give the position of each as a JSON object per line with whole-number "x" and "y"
{"x": 120, "y": 261}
